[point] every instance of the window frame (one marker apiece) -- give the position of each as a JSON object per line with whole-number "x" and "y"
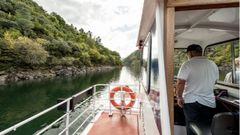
{"x": 233, "y": 85}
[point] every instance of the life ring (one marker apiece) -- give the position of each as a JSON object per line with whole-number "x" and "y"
{"x": 119, "y": 106}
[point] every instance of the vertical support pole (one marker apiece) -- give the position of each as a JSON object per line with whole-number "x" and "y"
{"x": 164, "y": 107}
{"x": 67, "y": 117}
{"x": 110, "y": 107}
{"x": 233, "y": 62}
{"x": 138, "y": 96}
{"x": 122, "y": 100}
{"x": 149, "y": 70}
{"x": 94, "y": 100}
{"x": 169, "y": 64}
{"x": 140, "y": 109}
{"x": 139, "y": 87}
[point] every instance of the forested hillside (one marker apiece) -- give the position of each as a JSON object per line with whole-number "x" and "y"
{"x": 134, "y": 63}
{"x": 30, "y": 37}
{"x": 133, "y": 60}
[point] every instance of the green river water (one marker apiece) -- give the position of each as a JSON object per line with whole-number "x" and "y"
{"x": 21, "y": 100}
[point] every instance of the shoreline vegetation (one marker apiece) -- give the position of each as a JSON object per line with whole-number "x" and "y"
{"x": 37, "y": 44}
{"x": 15, "y": 75}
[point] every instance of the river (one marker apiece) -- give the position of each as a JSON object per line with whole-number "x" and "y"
{"x": 21, "y": 100}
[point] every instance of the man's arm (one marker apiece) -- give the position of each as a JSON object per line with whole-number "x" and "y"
{"x": 179, "y": 91}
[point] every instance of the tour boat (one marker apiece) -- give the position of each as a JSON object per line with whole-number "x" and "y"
{"x": 149, "y": 107}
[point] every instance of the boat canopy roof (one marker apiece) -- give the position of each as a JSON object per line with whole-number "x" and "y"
{"x": 148, "y": 17}
{"x": 206, "y": 27}
{"x": 203, "y": 27}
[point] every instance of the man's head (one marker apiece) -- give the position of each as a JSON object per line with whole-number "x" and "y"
{"x": 194, "y": 50}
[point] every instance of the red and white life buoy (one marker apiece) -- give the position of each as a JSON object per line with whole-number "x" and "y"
{"x": 127, "y": 90}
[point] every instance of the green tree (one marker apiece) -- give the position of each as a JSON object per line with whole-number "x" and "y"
{"x": 59, "y": 18}
{"x": 7, "y": 24}
{"x": 10, "y": 36}
{"x": 30, "y": 52}
{"x": 59, "y": 48}
{"x": 85, "y": 58}
{"x": 25, "y": 26}
{"x": 133, "y": 60}
{"x": 7, "y": 6}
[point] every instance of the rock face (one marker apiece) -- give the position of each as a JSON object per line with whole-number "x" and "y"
{"x": 3, "y": 79}
{"x": 13, "y": 75}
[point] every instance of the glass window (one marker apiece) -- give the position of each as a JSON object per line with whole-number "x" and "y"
{"x": 150, "y": 64}
{"x": 146, "y": 65}
{"x": 154, "y": 92}
{"x": 236, "y": 62}
{"x": 180, "y": 56}
{"x": 224, "y": 56}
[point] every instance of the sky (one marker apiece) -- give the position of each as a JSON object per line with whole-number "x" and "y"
{"x": 115, "y": 21}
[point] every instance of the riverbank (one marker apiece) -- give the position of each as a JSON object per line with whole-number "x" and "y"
{"x": 20, "y": 74}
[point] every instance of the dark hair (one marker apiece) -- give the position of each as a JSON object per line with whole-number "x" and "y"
{"x": 194, "y": 47}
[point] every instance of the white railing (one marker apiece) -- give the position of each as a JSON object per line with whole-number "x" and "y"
{"x": 68, "y": 111}
{"x": 14, "y": 128}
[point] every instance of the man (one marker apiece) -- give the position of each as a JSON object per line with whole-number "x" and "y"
{"x": 229, "y": 77}
{"x": 195, "y": 84}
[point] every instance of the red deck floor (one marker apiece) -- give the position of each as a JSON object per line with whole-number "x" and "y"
{"x": 115, "y": 125}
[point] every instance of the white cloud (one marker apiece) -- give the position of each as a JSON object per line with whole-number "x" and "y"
{"x": 115, "y": 21}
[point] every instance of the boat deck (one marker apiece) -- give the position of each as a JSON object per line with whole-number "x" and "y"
{"x": 116, "y": 125}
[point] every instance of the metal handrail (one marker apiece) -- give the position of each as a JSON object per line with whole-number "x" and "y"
{"x": 67, "y": 101}
{"x": 85, "y": 100}
{"x": 80, "y": 93}
{"x": 74, "y": 121}
{"x": 81, "y": 124}
{"x": 13, "y": 128}
{"x": 50, "y": 125}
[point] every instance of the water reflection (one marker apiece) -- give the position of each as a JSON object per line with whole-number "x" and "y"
{"x": 21, "y": 100}
{"x": 134, "y": 72}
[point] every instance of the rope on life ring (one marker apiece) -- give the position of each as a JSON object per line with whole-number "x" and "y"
{"x": 119, "y": 106}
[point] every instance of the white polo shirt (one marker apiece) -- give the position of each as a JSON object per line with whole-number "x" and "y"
{"x": 200, "y": 75}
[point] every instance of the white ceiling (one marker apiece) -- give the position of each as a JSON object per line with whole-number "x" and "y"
{"x": 206, "y": 27}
